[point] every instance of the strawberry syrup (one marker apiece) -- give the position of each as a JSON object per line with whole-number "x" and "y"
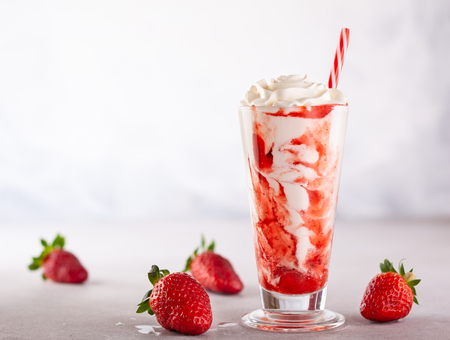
{"x": 279, "y": 269}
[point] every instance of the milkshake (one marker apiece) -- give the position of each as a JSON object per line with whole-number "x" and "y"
{"x": 293, "y": 133}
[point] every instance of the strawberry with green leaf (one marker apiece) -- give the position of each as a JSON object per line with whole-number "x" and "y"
{"x": 178, "y": 301}
{"x": 389, "y": 295}
{"x": 213, "y": 271}
{"x": 59, "y": 265}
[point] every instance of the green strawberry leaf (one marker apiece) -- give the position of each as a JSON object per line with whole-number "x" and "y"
{"x": 150, "y": 311}
{"x": 387, "y": 267}
{"x": 384, "y": 267}
{"x": 392, "y": 269}
{"x": 211, "y": 246}
{"x": 154, "y": 274}
{"x": 147, "y": 295}
{"x": 44, "y": 243}
{"x": 415, "y": 300}
{"x": 58, "y": 242}
{"x": 401, "y": 269}
{"x": 203, "y": 242}
{"x": 33, "y": 266}
{"x": 43, "y": 276}
{"x": 188, "y": 264}
{"x": 143, "y": 306}
{"x": 413, "y": 283}
{"x": 37, "y": 261}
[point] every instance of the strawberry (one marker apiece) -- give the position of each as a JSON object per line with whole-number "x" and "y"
{"x": 178, "y": 301}
{"x": 213, "y": 271}
{"x": 389, "y": 295}
{"x": 59, "y": 265}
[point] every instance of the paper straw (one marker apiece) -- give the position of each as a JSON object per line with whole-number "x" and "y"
{"x": 339, "y": 58}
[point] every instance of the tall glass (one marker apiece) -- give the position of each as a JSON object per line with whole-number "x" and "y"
{"x": 293, "y": 160}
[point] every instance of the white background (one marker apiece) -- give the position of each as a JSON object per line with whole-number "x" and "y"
{"x": 126, "y": 110}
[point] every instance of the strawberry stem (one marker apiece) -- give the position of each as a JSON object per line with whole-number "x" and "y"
{"x": 409, "y": 277}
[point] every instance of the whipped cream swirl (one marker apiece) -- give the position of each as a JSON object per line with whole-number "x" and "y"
{"x": 293, "y": 90}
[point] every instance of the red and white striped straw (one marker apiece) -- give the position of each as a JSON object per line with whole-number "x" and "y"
{"x": 339, "y": 58}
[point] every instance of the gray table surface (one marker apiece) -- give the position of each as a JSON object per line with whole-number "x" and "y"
{"x": 118, "y": 257}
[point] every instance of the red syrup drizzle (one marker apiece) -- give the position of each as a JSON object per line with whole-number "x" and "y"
{"x": 312, "y": 112}
{"x": 275, "y": 247}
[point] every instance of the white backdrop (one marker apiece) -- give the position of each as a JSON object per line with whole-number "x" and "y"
{"x": 126, "y": 110}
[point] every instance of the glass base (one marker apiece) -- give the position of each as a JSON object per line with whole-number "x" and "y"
{"x": 282, "y": 303}
{"x": 293, "y": 322}
{"x": 293, "y": 313}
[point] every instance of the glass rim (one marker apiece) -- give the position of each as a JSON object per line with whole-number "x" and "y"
{"x": 273, "y": 108}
